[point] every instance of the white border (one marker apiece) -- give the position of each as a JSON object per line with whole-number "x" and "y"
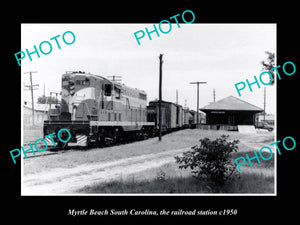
{"x": 224, "y": 194}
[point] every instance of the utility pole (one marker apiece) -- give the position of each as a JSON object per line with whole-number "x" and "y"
{"x": 31, "y": 87}
{"x": 214, "y": 95}
{"x": 198, "y": 82}
{"x": 160, "y": 90}
{"x": 177, "y": 96}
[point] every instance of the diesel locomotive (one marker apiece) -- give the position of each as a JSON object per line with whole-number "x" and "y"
{"x": 96, "y": 110}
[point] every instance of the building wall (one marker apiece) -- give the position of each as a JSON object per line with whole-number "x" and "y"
{"x": 230, "y": 118}
{"x": 39, "y": 117}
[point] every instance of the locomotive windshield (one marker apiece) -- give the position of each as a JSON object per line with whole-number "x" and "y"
{"x": 67, "y": 82}
{"x": 83, "y": 82}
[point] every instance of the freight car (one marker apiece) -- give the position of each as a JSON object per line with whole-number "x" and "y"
{"x": 173, "y": 115}
{"x": 97, "y": 111}
{"x": 193, "y": 118}
{"x": 186, "y": 118}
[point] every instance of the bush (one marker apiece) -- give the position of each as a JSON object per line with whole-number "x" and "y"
{"x": 210, "y": 161}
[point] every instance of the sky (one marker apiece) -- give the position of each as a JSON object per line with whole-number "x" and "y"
{"x": 219, "y": 54}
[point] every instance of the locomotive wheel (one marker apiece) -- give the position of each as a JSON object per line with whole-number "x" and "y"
{"x": 113, "y": 136}
{"x": 107, "y": 137}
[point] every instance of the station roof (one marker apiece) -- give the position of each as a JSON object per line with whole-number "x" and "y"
{"x": 231, "y": 103}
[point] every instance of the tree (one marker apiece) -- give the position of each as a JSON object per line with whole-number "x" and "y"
{"x": 211, "y": 160}
{"x": 268, "y": 64}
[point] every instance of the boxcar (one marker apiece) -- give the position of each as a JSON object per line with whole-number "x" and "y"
{"x": 172, "y": 115}
{"x": 186, "y": 117}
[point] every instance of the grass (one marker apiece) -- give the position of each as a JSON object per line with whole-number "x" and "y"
{"x": 187, "y": 185}
{"x": 250, "y": 180}
{"x": 168, "y": 178}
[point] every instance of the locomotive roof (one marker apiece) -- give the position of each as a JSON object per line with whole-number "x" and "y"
{"x": 85, "y": 74}
{"x": 104, "y": 78}
{"x": 127, "y": 87}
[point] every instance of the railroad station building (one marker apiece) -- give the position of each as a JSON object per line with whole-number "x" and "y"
{"x": 231, "y": 111}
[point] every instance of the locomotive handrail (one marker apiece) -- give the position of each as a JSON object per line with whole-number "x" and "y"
{"x": 67, "y": 122}
{"x": 88, "y": 109}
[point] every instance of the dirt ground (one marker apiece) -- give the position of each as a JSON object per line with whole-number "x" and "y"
{"x": 68, "y": 171}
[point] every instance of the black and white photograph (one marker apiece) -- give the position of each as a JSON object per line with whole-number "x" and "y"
{"x": 106, "y": 115}
{"x": 161, "y": 113}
